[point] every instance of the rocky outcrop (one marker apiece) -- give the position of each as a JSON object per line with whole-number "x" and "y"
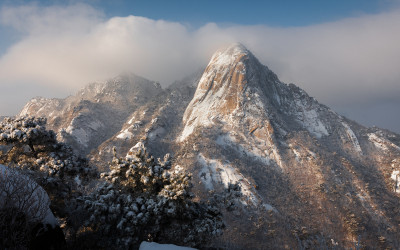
{"x": 310, "y": 177}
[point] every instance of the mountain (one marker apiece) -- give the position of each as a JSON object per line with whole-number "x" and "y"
{"x": 96, "y": 112}
{"x": 310, "y": 178}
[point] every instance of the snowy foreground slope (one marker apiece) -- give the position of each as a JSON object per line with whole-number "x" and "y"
{"x": 155, "y": 246}
{"x": 309, "y": 177}
{"x": 21, "y": 192}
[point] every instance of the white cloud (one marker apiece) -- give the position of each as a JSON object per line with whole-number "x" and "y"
{"x": 350, "y": 61}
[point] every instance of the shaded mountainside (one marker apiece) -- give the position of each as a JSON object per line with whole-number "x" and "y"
{"x": 96, "y": 112}
{"x": 309, "y": 177}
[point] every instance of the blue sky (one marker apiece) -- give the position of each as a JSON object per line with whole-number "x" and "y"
{"x": 285, "y": 13}
{"x": 251, "y": 12}
{"x": 273, "y": 13}
{"x": 344, "y": 53}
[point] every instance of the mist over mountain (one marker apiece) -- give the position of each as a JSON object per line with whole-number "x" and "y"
{"x": 309, "y": 176}
{"x": 53, "y": 50}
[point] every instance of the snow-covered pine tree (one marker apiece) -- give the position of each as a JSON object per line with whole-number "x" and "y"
{"x": 142, "y": 199}
{"x": 26, "y": 145}
{"x": 25, "y": 142}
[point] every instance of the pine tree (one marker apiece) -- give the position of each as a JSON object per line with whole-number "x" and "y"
{"x": 27, "y": 146}
{"x": 142, "y": 199}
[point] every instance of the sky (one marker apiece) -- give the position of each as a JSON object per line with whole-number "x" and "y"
{"x": 346, "y": 54}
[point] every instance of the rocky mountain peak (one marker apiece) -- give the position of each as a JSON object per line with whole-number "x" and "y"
{"x": 234, "y": 85}
{"x": 229, "y": 54}
{"x": 307, "y": 174}
{"x": 123, "y": 86}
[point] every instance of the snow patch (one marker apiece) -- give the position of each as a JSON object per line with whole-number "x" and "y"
{"x": 77, "y": 180}
{"x": 381, "y": 143}
{"x": 80, "y": 135}
{"x": 131, "y": 120}
{"x": 396, "y": 177}
{"x": 269, "y": 207}
{"x": 95, "y": 125}
{"x": 32, "y": 199}
{"x": 296, "y": 154}
{"x": 125, "y": 134}
{"x": 139, "y": 145}
{"x": 310, "y": 120}
{"x": 213, "y": 171}
{"x": 250, "y": 149}
{"x": 202, "y": 112}
{"x": 187, "y": 130}
{"x": 155, "y": 246}
{"x": 156, "y": 132}
{"x": 352, "y": 137}
{"x": 312, "y": 154}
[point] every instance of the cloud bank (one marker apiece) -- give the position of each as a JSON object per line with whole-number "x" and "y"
{"x": 347, "y": 64}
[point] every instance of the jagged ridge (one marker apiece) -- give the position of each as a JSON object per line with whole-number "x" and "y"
{"x": 316, "y": 175}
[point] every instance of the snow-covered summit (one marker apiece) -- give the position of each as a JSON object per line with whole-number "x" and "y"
{"x": 96, "y": 112}
{"x": 229, "y": 54}
{"x": 292, "y": 156}
{"x": 124, "y": 85}
{"x": 223, "y": 88}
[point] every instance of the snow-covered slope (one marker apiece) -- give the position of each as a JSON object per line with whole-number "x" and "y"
{"x": 20, "y": 192}
{"x": 244, "y": 125}
{"x": 155, "y": 246}
{"x": 156, "y": 123}
{"x": 236, "y": 89}
{"x": 309, "y": 176}
{"x": 96, "y": 112}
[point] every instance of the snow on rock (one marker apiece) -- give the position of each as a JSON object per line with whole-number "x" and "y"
{"x": 247, "y": 149}
{"x": 139, "y": 145}
{"x": 81, "y": 136}
{"x": 40, "y": 105}
{"x": 156, "y": 132}
{"x": 396, "y": 178}
{"x": 137, "y": 124}
{"x": 352, "y": 137}
{"x": 237, "y": 90}
{"x": 125, "y": 134}
{"x": 208, "y": 172}
{"x": 215, "y": 96}
{"x": 213, "y": 171}
{"x": 377, "y": 141}
{"x": 203, "y": 114}
{"x": 187, "y": 130}
{"x": 77, "y": 180}
{"x": 263, "y": 150}
{"x": 268, "y": 207}
{"x": 312, "y": 154}
{"x": 296, "y": 153}
{"x": 381, "y": 143}
{"x": 83, "y": 131}
{"x": 302, "y": 155}
{"x": 310, "y": 120}
{"x": 95, "y": 125}
{"x": 131, "y": 120}
{"x": 32, "y": 202}
{"x": 155, "y": 246}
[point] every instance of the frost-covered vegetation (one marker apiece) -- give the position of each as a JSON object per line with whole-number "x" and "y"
{"x": 26, "y": 143}
{"x": 139, "y": 199}
{"x": 32, "y": 151}
{"x": 28, "y": 146}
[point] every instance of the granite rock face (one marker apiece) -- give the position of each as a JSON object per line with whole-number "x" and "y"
{"x": 309, "y": 176}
